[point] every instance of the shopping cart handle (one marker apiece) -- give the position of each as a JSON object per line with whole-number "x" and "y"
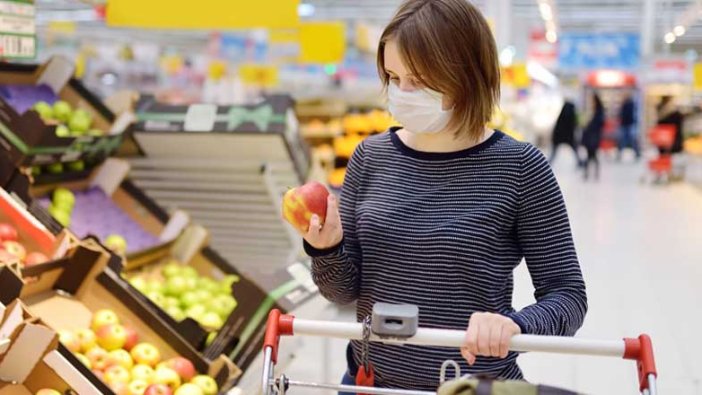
{"x": 638, "y": 349}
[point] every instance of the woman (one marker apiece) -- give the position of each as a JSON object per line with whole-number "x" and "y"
{"x": 669, "y": 114}
{"x": 592, "y": 136}
{"x": 564, "y": 131}
{"x": 440, "y": 212}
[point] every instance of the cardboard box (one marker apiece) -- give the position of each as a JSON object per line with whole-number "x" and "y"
{"x": 190, "y": 249}
{"x": 28, "y": 140}
{"x": 85, "y": 287}
{"x": 30, "y": 360}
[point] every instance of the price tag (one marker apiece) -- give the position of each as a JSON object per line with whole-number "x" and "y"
{"x": 200, "y": 118}
{"x": 17, "y": 29}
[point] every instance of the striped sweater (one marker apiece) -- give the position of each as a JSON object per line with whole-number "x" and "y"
{"x": 444, "y": 231}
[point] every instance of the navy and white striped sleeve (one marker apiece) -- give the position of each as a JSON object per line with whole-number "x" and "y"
{"x": 336, "y": 270}
{"x": 545, "y": 239}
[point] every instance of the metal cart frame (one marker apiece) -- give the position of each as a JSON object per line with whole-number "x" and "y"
{"x": 638, "y": 349}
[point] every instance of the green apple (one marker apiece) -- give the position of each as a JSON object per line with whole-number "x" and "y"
{"x": 189, "y": 389}
{"x": 204, "y": 295}
{"x": 211, "y": 320}
{"x": 80, "y": 121}
{"x": 156, "y": 297}
{"x": 63, "y": 131}
{"x": 190, "y": 299}
{"x": 196, "y": 312}
{"x": 222, "y": 305}
{"x": 227, "y": 281}
{"x": 116, "y": 243}
{"x": 96, "y": 133}
{"x": 154, "y": 286}
{"x": 208, "y": 284}
{"x": 176, "y": 286}
{"x": 172, "y": 269}
{"x": 60, "y": 215}
{"x": 206, "y": 384}
{"x": 46, "y": 112}
{"x": 63, "y": 197}
{"x": 190, "y": 284}
{"x": 170, "y": 301}
{"x": 55, "y": 168}
{"x": 62, "y": 111}
{"x": 175, "y": 312}
{"x": 139, "y": 283}
{"x": 211, "y": 338}
{"x": 189, "y": 271}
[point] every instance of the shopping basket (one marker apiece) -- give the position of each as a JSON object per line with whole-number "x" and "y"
{"x": 638, "y": 349}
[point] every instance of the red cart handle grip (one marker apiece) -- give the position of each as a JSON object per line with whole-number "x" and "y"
{"x": 641, "y": 350}
{"x": 277, "y": 325}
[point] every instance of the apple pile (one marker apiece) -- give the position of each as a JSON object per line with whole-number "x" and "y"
{"x": 130, "y": 367}
{"x": 70, "y": 122}
{"x": 12, "y": 250}
{"x": 181, "y": 292}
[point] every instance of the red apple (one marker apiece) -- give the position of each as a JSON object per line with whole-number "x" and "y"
{"x": 119, "y": 388}
{"x": 103, "y": 317}
{"x": 111, "y": 337}
{"x": 117, "y": 375}
{"x": 99, "y": 374}
{"x": 84, "y": 360}
{"x": 8, "y": 232}
{"x": 87, "y": 339}
{"x": 167, "y": 376}
{"x": 132, "y": 338}
{"x": 136, "y": 387}
{"x": 35, "y": 258}
{"x": 143, "y": 372}
{"x": 121, "y": 358}
{"x": 15, "y": 248}
{"x": 182, "y": 366}
{"x": 97, "y": 357}
{"x": 299, "y": 204}
{"x": 47, "y": 391}
{"x": 146, "y": 354}
{"x": 206, "y": 383}
{"x": 189, "y": 389}
{"x": 158, "y": 389}
{"x": 69, "y": 340}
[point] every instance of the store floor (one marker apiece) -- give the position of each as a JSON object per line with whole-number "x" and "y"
{"x": 640, "y": 247}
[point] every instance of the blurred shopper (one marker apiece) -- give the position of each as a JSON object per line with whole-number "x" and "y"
{"x": 564, "y": 131}
{"x": 592, "y": 137}
{"x": 669, "y": 114}
{"x": 440, "y": 212}
{"x": 628, "y": 133}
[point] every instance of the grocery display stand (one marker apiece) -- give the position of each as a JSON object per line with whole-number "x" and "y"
{"x": 389, "y": 329}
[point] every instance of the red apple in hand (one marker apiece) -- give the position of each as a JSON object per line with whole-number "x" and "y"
{"x": 182, "y": 366}
{"x": 8, "y": 232}
{"x": 14, "y": 248}
{"x": 158, "y": 389}
{"x": 35, "y": 258}
{"x": 299, "y": 204}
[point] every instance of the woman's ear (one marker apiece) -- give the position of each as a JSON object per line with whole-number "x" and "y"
{"x": 447, "y": 103}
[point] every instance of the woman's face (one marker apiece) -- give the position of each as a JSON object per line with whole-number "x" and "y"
{"x": 401, "y": 76}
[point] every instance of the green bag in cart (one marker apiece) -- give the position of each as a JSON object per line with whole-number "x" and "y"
{"x": 493, "y": 387}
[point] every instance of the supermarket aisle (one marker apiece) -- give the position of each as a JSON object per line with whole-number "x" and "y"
{"x": 640, "y": 251}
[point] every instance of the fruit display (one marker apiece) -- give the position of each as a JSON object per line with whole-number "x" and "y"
{"x": 182, "y": 292}
{"x": 95, "y": 213}
{"x": 12, "y": 248}
{"x": 299, "y": 204}
{"x": 23, "y": 97}
{"x": 129, "y": 366}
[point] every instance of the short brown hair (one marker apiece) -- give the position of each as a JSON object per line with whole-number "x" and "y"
{"x": 449, "y": 47}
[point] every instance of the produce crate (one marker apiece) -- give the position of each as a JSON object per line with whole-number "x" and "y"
{"x": 85, "y": 287}
{"x": 29, "y": 140}
{"x": 29, "y": 359}
{"x": 33, "y": 237}
{"x": 190, "y": 249}
{"x": 107, "y": 203}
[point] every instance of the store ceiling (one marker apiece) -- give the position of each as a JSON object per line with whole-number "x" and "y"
{"x": 572, "y": 15}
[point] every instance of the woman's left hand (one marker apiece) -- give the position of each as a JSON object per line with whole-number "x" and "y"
{"x": 488, "y": 335}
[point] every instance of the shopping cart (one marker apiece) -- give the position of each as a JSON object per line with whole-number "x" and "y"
{"x": 639, "y": 349}
{"x": 663, "y": 138}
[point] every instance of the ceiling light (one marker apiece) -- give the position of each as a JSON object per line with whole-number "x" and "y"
{"x": 546, "y": 11}
{"x": 679, "y": 30}
{"x": 551, "y": 36}
{"x": 669, "y": 38}
{"x": 305, "y": 10}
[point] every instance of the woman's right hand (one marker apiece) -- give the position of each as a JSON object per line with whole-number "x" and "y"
{"x": 330, "y": 234}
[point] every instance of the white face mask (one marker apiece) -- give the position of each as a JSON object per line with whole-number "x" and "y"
{"x": 419, "y": 111}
